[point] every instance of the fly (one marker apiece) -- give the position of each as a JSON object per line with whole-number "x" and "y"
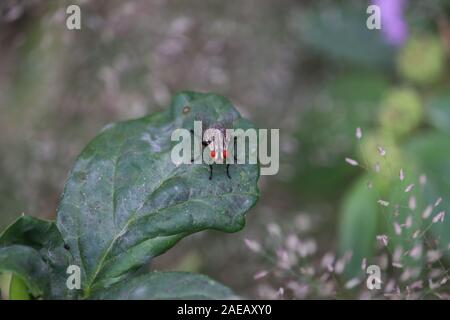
{"x": 217, "y": 141}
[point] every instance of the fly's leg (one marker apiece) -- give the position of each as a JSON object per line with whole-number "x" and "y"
{"x": 192, "y": 157}
{"x": 235, "y": 149}
{"x": 210, "y": 171}
{"x": 204, "y": 144}
{"x": 234, "y": 156}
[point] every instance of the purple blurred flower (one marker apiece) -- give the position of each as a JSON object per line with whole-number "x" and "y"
{"x": 393, "y": 24}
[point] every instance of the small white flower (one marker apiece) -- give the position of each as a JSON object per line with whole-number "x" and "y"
{"x": 397, "y": 228}
{"x": 377, "y": 167}
{"x": 383, "y": 261}
{"x": 433, "y": 255}
{"x": 350, "y": 284}
{"x": 438, "y": 202}
{"x": 402, "y": 175}
{"x": 330, "y": 268}
{"x": 327, "y": 261}
{"x": 422, "y": 179}
{"x": 427, "y": 212}
{"x": 260, "y": 274}
{"x": 383, "y": 239}
{"x": 274, "y": 229}
{"x": 439, "y": 217}
{"x": 408, "y": 222}
{"x": 409, "y": 188}
{"x": 280, "y": 292}
{"x": 363, "y": 264}
{"x": 416, "y": 251}
{"x": 416, "y": 285}
{"x": 292, "y": 242}
{"x": 285, "y": 260}
{"x": 390, "y": 286}
{"x": 396, "y": 257}
{"x": 412, "y": 203}
{"x": 381, "y": 151}
{"x": 358, "y": 133}
{"x": 383, "y": 203}
{"x": 351, "y": 162}
{"x": 339, "y": 266}
{"x": 252, "y": 245}
{"x": 433, "y": 285}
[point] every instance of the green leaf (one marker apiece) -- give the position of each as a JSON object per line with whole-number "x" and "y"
{"x": 352, "y": 98}
{"x": 44, "y": 238}
{"x": 125, "y": 201}
{"x": 33, "y": 232}
{"x": 166, "y": 285}
{"x": 18, "y": 289}
{"x": 358, "y": 225}
{"x": 340, "y": 33}
{"x": 431, "y": 152}
{"x": 362, "y": 90}
{"x": 5, "y": 279}
{"x": 27, "y": 264}
{"x": 438, "y": 112}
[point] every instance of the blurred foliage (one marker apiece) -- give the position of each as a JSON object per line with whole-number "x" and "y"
{"x": 401, "y": 112}
{"x": 431, "y": 152}
{"x": 358, "y": 225}
{"x": 18, "y": 289}
{"x": 338, "y": 32}
{"x": 422, "y": 66}
{"x": 438, "y": 112}
{"x": 352, "y": 100}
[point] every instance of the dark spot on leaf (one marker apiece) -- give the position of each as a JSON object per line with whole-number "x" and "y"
{"x": 186, "y": 110}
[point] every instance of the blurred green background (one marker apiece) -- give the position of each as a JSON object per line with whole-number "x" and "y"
{"x": 310, "y": 68}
